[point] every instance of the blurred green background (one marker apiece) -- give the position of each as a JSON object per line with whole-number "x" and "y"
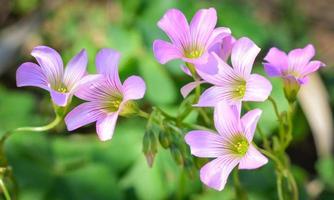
{"x": 63, "y": 165}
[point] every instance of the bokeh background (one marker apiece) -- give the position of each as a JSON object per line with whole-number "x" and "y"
{"x": 62, "y": 165}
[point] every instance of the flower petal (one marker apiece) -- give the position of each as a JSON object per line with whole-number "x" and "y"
{"x": 213, "y": 95}
{"x": 253, "y": 159}
{"x": 217, "y": 35}
{"x": 215, "y": 173}
{"x": 92, "y": 87}
{"x": 227, "y": 119}
{"x": 105, "y": 126}
{"x": 277, "y": 62}
{"x": 30, "y": 74}
{"x": 249, "y": 122}
{"x": 82, "y": 115}
{"x": 107, "y": 63}
{"x": 202, "y": 25}
{"x": 298, "y": 58}
{"x": 224, "y": 48}
{"x": 186, "y": 89}
{"x": 311, "y": 67}
{"x": 165, "y": 51}
{"x": 175, "y": 25}
{"x": 60, "y": 98}
{"x": 75, "y": 69}
{"x": 186, "y": 70}
{"x": 243, "y": 56}
{"x": 134, "y": 88}
{"x": 258, "y": 88}
{"x": 51, "y": 64}
{"x": 205, "y": 144}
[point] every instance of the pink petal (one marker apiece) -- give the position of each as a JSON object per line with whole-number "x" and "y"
{"x": 134, "y": 88}
{"x": 107, "y": 63}
{"x": 205, "y": 144}
{"x": 249, "y": 122}
{"x": 165, "y": 51}
{"x": 30, "y": 74}
{"x": 258, "y": 88}
{"x": 186, "y": 89}
{"x": 227, "y": 119}
{"x": 213, "y": 95}
{"x": 215, "y": 173}
{"x": 186, "y": 70}
{"x": 243, "y": 56}
{"x": 59, "y": 98}
{"x": 277, "y": 62}
{"x": 92, "y": 87}
{"x": 75, "y": 69}
{"x": 51, "y": 64}
{"x": 197, "y": 61}
{"x": 105, "y": 126}
{"x": 224, "y": 48}
{"x": 217, "y": 36}
{"x": 202, "y": 25}
{"x": 175, "y": 25}
{"x": 299, "y": 58}
{"x": 253, "y": 159}
{"x": 311, "y": 67}
{"x": 82, "y": 115}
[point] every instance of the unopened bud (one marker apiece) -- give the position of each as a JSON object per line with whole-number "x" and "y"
{"x": 190, "y": 167}
{"x": 149, "y": 147}
{"x": 164, "y": 139}
{"x": 291, "y": 89}
{"x": 178, "y": 158}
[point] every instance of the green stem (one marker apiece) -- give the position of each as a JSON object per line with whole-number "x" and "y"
{"x": 4, "y": 189}
{"x": 273, "y": 102}
{"x": 293, "y": 184}
{"x": 279, "y": 186}
{"x": 240, "y": 193}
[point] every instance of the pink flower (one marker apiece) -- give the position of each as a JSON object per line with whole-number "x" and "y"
{"x": 230, "y": 147}
{"x": 188, "y": 42}
{"x": 235, "y": 84}
{"x": 223, "y": 49}
{"x": 295, "y": 66}
{"x": 50, "y": 74}
{"x": 107, "y": 97}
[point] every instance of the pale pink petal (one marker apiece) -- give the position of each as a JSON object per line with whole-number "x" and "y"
{"x": 213, "y": 95}
{"x": 215, "y": 173}
{"x": 133, "y": 88}
{"x": 197, "y": 61}
{"x": 299, "y": 58}
{"x": 217, "y": 36}
{"x": 210, "y": 67}
{"x": 186, "y": 89}
{"x": 249, "y": 122}
{"x": 277, "y": 62}
{"x": 165, "y": 51}
{"x": 258, "y": 88}
{"x": 243, "y": 56}
{"x": 252, "y": 159}
{"x": 227, "y": 119}
{"x": 202, "y": 25}
{"x": 311, "y": 67}
{"x": 92, "y": 87}
{"x": 186, "y": 70}
{"x": 205, "y": 144}
{"x": 75, "y": 69}
{"x": 105, "y": 126}
{"x": 83, "y": 114}
{"x": 30, "y": 74}
{"x": 60, "y": 98}
{"x": 107, "y": 63}
{"x": 175, "y": 25}
{"x": 51, "y": 64}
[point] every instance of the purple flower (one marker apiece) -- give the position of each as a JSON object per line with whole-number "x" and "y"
{"x": 188, "y": 42}
{"x": 223, "y": 50}
{"x": 297, "y": 65}
{"x": 107, "y": 97}
{"x": 235, "y": 84}
{"x": 50, "y": 74}
{"x": 230, "y": 147}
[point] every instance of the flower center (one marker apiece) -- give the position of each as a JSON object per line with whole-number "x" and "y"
{"x": 194, "y": 53}
{"x": 113, "y": 103}
{"x": 239, "y": 145}
{"x": 62, "y": 89}
{"x": 240, "y": 89}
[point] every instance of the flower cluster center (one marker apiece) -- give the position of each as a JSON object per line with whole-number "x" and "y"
{"x": 240, "y": 145}
{"x": 240, "y": 89}
{"x": 194, "y": 53}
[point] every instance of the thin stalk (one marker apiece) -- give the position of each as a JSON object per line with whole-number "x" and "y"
{"x": 273, "y": 102}
{"x": 4, "y": 190}
{"x": 279, "y": 186}
{"x": 240, "y": 193}
{"x": 293, "y": 184}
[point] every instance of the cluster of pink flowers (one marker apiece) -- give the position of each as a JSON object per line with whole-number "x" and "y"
{"x": 206, "y": 51}
{"x": 106, "y": 96}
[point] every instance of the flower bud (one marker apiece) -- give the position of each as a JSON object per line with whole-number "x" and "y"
{"x": 164, "y": 138}
{"x": 291, "y": 89}
{"x": 149, "y": 147}
{"x": 178, "y": 158}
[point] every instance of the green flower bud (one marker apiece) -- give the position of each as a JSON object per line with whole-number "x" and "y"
{"x": 177, "y": 156}
{"x": 291, "y": 89}
{"x": 164, "y": 139}
{"x": 149, "y": 147}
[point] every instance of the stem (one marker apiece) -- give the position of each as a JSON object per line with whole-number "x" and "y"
{"x": 293, "y": 184}
{"x": 4, "y": 190}
{"x": 273, "y": 102}
{"x": 279, "y": 185}
{"x": 240, "y": 193}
